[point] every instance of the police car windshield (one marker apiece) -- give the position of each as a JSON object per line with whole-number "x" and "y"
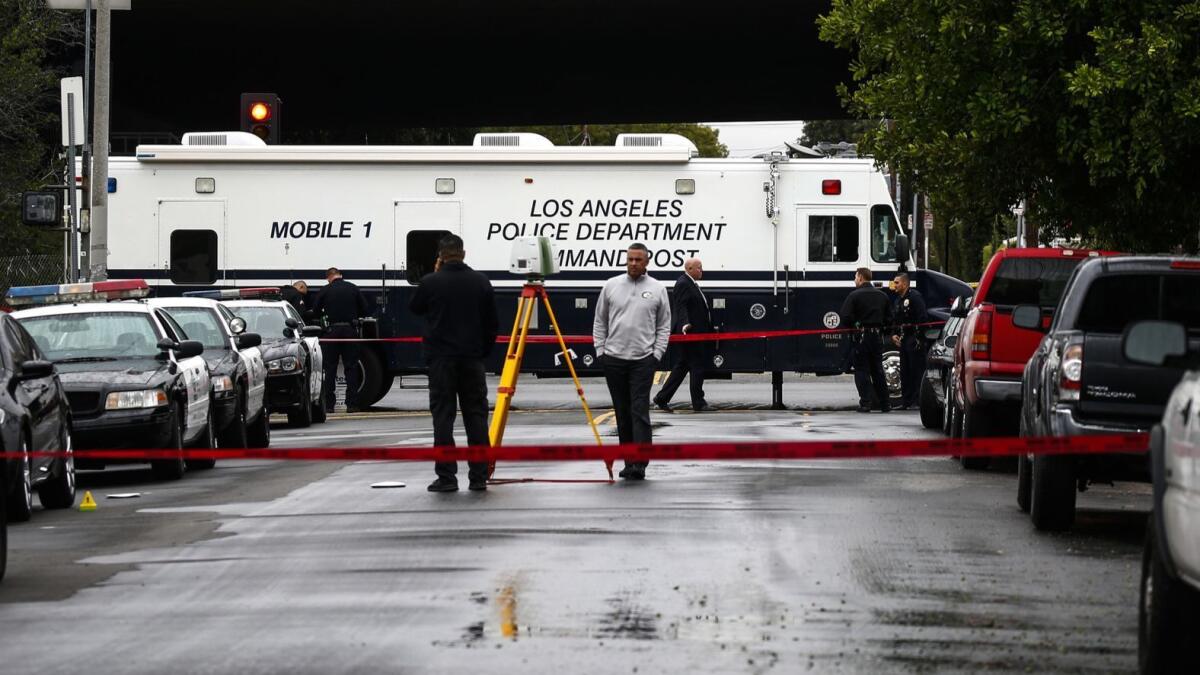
{"x": 200, "y": 323}
{"x": 266, "y": 321}
{"x": 94, "y": 336}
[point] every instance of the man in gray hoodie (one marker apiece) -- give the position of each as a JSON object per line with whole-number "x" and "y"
{"x": 630, "y": 333}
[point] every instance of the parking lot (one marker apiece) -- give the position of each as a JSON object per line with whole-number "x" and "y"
{"x": 831, "y": 566}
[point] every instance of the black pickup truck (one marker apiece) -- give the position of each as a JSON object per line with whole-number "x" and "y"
{"x": 1079, "y": 382}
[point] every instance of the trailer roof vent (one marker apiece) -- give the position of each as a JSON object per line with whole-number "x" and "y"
{"x": 522, "y": 140}
{"x": 656, "y": 141}
{"x": 222, "y": 138}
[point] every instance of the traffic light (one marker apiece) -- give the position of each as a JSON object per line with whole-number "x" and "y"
{"x": 260, "y": 116}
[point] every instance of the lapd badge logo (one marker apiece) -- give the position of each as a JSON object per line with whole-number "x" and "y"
{"x": 647, "y": 295}
{"x": 757, "y": 311}
{"x": 832, "y": 320}
{"x": 906, "y": 303}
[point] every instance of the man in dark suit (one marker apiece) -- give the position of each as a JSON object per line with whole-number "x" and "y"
{"x": 690, "y": 316}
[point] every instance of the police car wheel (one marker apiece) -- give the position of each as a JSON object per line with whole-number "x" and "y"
{"x": 891, "y": 375}
{"x": 947, "y": 406}
{"x": 1052, "y": 493}
{"x": 301, "y": 415}
{"x": 1167, "y": 616}
{"x": 20, "y": 502}
{"x": 206, "y": 441}
{"x": 58, "y": 491}
{"x": 171, "y": 469}
{"x": 234, "y": 435}
{"x": 259, "y": 435}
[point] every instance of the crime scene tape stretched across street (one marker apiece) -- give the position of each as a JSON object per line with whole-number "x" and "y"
{"x": 759, "y": 450}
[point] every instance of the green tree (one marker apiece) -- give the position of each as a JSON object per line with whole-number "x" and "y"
{"x": 705, "y": 137}
{"x": 834, "y": 131}
{"x": 1088, "y": 109}
{"x": 32, "y": 38}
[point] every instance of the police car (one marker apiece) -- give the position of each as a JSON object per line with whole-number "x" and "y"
{"x": 235, "y": 364}
{"x": 292, "y": 351}
{"x": 1169, "y": 611}
{"x": 132, "y": 379}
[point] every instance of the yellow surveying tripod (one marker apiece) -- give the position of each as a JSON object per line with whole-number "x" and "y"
{"x": 531, "y": 292}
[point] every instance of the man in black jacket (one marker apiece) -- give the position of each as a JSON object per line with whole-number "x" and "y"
{"x": 690, "y": 316}
{"x": 343, "y": 305}
{"x": 869, "y": 309}
{"x": 460, "y": 328}
{"x": 297, "y": 296}
{"x": 908, "y": 308}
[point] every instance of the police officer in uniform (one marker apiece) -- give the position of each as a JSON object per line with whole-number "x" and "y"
{"x": 296, "y": 295}
{"x": 869, "y": 309}
{"x": 908, "y": 308}
{"x": 342, "y": 305}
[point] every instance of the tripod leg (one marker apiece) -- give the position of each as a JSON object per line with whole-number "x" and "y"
{"x": 512, "y": 369}
{"x": 574, "y": 377}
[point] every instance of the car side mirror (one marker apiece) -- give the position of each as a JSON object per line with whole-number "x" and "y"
{"x": 189, "y": 348}
{"x": 311, "y": 331}
{"x": 951, "y": 340}
{"x": 35, "y": 369}
{"x": 237, "y": 325}
{"x": 248, "y": 340}
{"x": 902, "y": 248}
{"x": 1151, "y": 343}
{"x": 166, "y": 345}
{"x": 291, "y": 323}
{"x": 1028, "y": 317}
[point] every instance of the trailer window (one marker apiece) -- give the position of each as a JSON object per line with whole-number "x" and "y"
{"x": 884, "y": 230}
{"x": 832, "y": 239}
{"x": 193, "y": 256}
{"x": 420, "y": 247}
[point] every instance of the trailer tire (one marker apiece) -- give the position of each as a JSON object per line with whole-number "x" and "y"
{"x": 891, "y": 375}
{"x": 372, "y": 387}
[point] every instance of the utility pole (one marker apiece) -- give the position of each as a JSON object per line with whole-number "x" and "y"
{"x": 98, "y": 255}
{"x": 85, "y": 209}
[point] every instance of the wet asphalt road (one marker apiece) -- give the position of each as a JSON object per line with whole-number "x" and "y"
{"x": 829, "y": 566}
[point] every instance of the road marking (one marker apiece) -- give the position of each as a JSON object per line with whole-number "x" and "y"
{"x": 362, "y": 434}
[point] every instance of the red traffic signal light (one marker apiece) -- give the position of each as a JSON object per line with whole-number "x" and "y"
{"x": 260, "y": 115}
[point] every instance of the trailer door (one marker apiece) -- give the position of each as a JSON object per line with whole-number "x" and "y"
{"x": 829, "y": 246}
{"x": 419, "y": 226}
{"x": 191, "y": 241}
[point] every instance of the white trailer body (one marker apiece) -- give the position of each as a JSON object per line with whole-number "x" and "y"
{"x": 780, "y": 238}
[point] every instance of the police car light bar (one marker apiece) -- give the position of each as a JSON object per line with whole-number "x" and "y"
{"x": 265, "y": 293}
{"x": 57, "y": 294}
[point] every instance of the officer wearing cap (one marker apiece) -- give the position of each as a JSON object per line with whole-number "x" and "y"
{"x": 342, "y": 305}
{"x": 869, "y": 309}
{"x": 908, "y": 308}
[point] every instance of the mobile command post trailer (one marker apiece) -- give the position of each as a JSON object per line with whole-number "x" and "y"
{"x": 780, "y": 237}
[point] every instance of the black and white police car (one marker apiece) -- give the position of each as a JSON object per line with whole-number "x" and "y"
{"x": 235, "y": 364}
{"x": 292, "y": 351}
{"x": 132, "y": 379}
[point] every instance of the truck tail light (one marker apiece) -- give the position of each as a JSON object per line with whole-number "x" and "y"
{"x": 981, "y": 339}
{"x": 1070, "y": 371}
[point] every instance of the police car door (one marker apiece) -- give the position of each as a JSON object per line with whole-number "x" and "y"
{"x": 191, "y": 240}
{"x": 196, "y": 384}
{"x": 829, "y": 249}
{"x": 316, "y": 382}
{"x": 256, "y": 370}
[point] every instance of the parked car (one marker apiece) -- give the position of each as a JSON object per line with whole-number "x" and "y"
{"x": 131, "y": 379}
{"x": 237, "y": 371}
{"x": 34, "y": 416}
{"x": 991, "y": 353}
{"x": 1169, "y": 610}
{"x": 292, "y": 351}
{"x": 939, "y": 362}
{"x": 1079, "y": 382}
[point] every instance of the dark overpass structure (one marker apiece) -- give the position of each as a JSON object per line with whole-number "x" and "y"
{"x": 354, "y": 69}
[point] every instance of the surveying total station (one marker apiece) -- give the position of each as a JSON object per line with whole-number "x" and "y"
{"x": 534, "y": 258}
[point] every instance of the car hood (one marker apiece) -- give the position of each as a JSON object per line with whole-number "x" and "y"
{"x": 124, "y": 372}
{"x": 278, "y": 349}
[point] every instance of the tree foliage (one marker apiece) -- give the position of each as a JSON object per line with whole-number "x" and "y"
{"x": 1089, "y": 109}
{"x": 834, "y": 131}
{"x": 705, "y": 137}
{"x": 31, "y": 39}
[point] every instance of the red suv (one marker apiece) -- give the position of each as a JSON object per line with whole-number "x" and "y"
{"x": 991, "y": 353}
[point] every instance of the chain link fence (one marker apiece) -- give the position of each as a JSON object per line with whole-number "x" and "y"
{"x": 29, "y": 270}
